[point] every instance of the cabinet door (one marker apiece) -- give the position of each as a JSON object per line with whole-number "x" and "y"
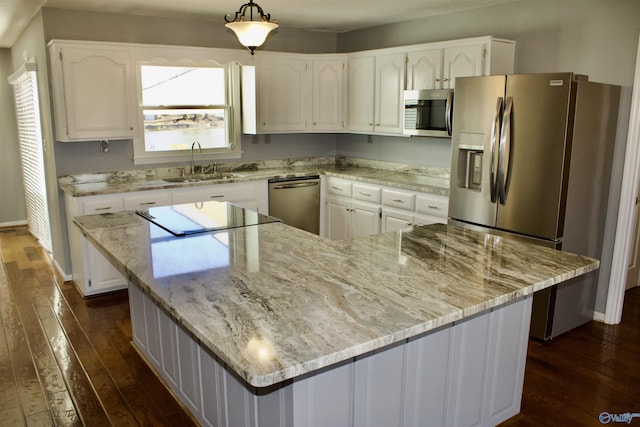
{"x": 101, "y": 275}
{"x": 360, "y": 99}
{"x": 338, "y": 218}
{"x": 282, "y": 87}
{"x": 98, "y": 94}
{"x": 424, "y": 69}
{"x": 463, "y": 61}
{"x": 327, "y": 95}
{"x": 365, "y": 219}
{"x": 396, "y": 220}
{"x": 389, "y": 88}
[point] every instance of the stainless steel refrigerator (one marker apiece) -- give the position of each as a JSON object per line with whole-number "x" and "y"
{"x": 531, "y": 157}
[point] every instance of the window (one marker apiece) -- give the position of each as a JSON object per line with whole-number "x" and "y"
{"x": 25, "y": 91}
{"x": 184, "y": 104}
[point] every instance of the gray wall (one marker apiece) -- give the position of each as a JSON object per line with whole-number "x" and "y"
{"x": 12, "y": 209}
{"x": 598, "y": 38}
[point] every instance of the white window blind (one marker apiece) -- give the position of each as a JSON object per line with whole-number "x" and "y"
{"x": 25, "y": 90}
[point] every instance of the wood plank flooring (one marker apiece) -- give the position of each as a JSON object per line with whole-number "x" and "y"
{"x": 65, "y": 360}
{"x": 68, "y": 361}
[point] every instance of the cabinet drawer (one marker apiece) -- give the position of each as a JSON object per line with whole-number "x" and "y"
{"x": 366, "y": 193}
{"x": 147, "y": 200}
{"x": 339, "y": 187}
{"x": 398, "y": 199}
{"x": 432, "y": 204}
{"x": 219, "y": 192}
{"x": 103, "y": 204}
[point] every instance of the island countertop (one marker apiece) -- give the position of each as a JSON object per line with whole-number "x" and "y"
{"x": 274, "y": 302}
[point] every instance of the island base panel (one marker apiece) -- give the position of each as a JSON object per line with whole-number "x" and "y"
{"x": 468, "y": 373}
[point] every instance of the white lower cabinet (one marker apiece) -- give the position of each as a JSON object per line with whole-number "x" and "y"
{"x": 169, "y": 339}
{"x": 92, "y": 273}
{"x": 251, "y": 195}
{"x": 353, "y": 209}
{"x": 394, "y": 220}
{"x": 467, "y": 373}
{"x": 348, "y": 219}
{"x": 146, "y": 199}
{"x": 189, "y": 371}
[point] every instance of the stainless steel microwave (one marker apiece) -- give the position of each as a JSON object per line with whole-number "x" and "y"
{"x": 428, "y": 112}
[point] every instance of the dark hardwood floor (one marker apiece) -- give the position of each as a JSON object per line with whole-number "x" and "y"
{"x": 65, "y": 360}
{"x": 68, "y": 361}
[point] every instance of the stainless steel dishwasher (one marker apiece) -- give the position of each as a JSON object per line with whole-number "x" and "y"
{"x": 296, "y": 201}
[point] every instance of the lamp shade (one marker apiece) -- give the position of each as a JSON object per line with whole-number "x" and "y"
{"x": 251, "y": 33}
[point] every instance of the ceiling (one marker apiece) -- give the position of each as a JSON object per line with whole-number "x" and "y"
{"x": 320, "y": 15}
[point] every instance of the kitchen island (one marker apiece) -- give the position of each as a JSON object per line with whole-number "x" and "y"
{"x": 268, "y": 325}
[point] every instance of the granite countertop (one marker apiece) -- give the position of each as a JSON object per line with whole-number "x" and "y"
{"x": 274, "y": 302}
{"x": 427, "y": 180}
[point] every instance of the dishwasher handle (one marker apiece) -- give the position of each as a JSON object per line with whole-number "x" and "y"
{"x": 294, "y": 185}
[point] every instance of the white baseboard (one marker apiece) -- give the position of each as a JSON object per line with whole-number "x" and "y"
{"x": 66, "y": 277}
{"x": 12, "y": 223}
{"x": 598, "y": 317}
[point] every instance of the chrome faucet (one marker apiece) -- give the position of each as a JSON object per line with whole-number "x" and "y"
{"x": 199, "y": 150}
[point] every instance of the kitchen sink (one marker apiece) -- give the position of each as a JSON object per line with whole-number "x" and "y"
{"x": 199, "y": 178}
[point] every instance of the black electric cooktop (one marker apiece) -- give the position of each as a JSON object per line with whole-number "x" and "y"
{"x": 202, "y": 217}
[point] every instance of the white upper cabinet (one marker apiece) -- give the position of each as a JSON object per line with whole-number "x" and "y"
{"x": 389, "y": 105}
{"x": 282, "y": 87}
{"x": 424, "y": 69}
{"x": 360, "y": 98}
{"x": 94, "y": 91}
{"x": 375, "y": 86}
{"x": 463, "y": 61}
{"x": 300, "y": 93}
{"x": 327, "y": 93}
{"x": 436, "y": 65}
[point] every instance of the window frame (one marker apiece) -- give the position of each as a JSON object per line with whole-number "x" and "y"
{"x": 233, "y": 124}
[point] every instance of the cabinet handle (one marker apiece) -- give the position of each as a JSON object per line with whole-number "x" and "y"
{"x": 364, "y": 194}
{"x": 433, "y": 207}
{"x": 103, "y": 209}
{"x": 398, "y": 200}
{"x": 337, "y": 188}
{"x": 216, "y": 196}
{"x": 147, "y": 203}
{"x": 130, "y": 127}
{"x": 445, "y": 79}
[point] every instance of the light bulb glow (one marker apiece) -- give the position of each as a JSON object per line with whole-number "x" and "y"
{"x": 251, "y": 33}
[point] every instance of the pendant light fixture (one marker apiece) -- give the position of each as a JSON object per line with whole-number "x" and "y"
{"x": 251, "y": 33}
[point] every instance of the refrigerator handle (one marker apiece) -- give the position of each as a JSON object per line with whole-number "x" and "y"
{"x": 493, "y": 150}
{"x": 505, "y": 151}
{"x": 448, "y": 113}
